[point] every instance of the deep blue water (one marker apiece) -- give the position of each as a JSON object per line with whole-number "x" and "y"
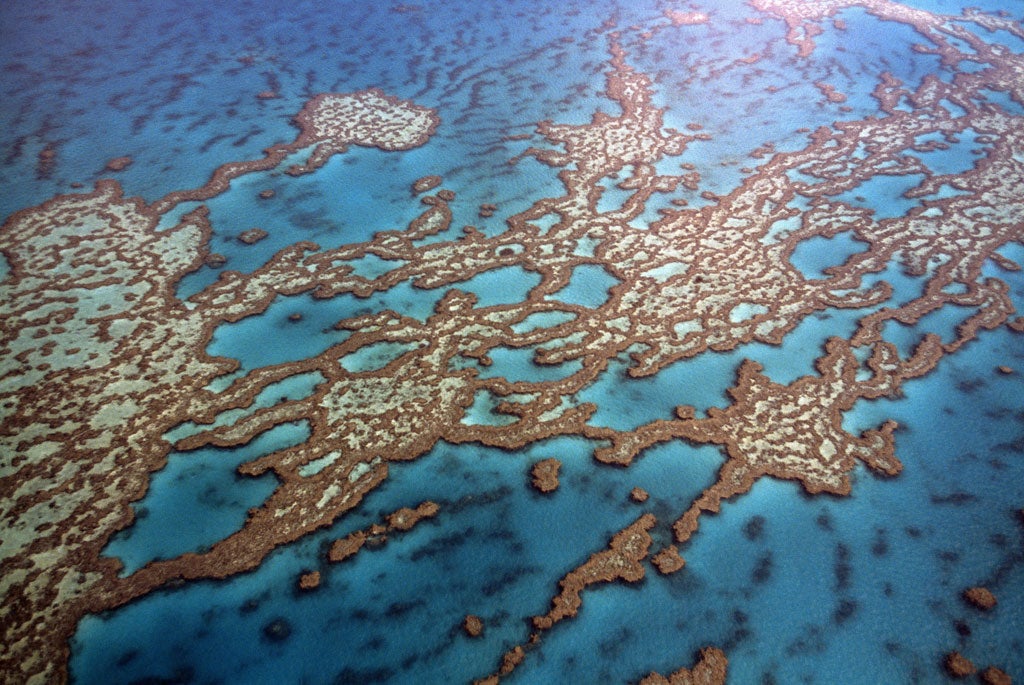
{"x": 863, "y": 589}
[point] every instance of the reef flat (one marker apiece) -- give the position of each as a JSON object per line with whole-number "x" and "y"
{"x": 636, "y": 256}
{"x": 101, "y": 359}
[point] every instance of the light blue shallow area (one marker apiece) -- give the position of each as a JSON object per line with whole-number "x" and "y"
{"x": 956, "y": 158}
{"x": 199, "y": 499}
{"x": 884, "y": 195}
{"x": 814, "y": 255}
{"x": 516, "y": 364}
{"x": 505, "y": 285}
{"x": 1004, "y": 100}
{"x": 281, "y": 339}
{"x": 588, "y": 286}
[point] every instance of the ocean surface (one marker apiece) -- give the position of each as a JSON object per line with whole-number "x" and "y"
{"x": 793, "y": 587}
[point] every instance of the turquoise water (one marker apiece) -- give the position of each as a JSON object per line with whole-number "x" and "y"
{"x": 199, "y": 499}
{"x": 813, "y": 256}
{"x": 794, "y": 588}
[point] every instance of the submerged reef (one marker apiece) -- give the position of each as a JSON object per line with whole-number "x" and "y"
{"x": 544, "y": 475}
{"x": 100, "y": 358}
{"x": 710, "y": 668}
{"x": 980, "y": 597}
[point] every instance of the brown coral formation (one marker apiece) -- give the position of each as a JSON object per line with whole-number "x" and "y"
{"x": 980, "y": 597}
{"x": 679, "y": 18}
{"x": 958, "y": 666}
{"x": 638, "y": 495}
{"x": 668, "y": 560}
{"x": 100, "y": 359}
{"x": 118, "y": 164}
{"x": 370, "y": 118}
{"x": 995, "y": 676}
{"x": 346, "y": 547}
{"x": 427, "y": 183}
{"x": 511, "y": 660}
{"x": 121, "y": 362}
{"x": 711, "y": 669}
{"x": 621, "y": 561}
{"x": 830, "y": 92}
{"x": 309, "y": 581}
{"x": 473, "y": 625}
{"x": 329, "y": 123}
{"x": 118, "y": 362}
{"x": 404, "y": 519}
{"x": 544, "y": 475}
{"x": 252, "y": 236}
{"x": 805, "y": 440}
